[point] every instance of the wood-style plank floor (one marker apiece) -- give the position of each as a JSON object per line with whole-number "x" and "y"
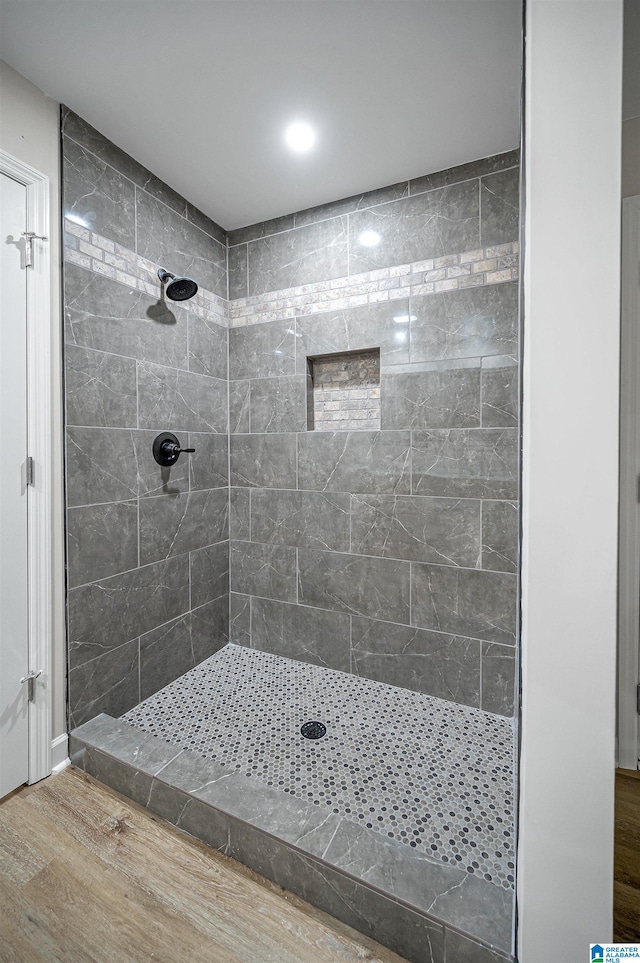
{"x": 626, "y": 887}
{"x": 85, "y": 874}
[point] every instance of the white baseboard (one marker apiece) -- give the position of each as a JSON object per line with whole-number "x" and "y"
{"x": 60, "y": 753}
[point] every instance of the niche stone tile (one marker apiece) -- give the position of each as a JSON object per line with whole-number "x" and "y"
{"x": 209, "y": 573}
{"x": 500, "y": 207}
{"x": 112, "y": 317}
{"x": 376, "y": 462}
{"x": 262, "y": 350}
{"x": 239, "y": 513}
{"x": 476, "y": 463}
{"x": 109, "y": 683}
{"x": 182, "y": 523}
{"x": 279, "y": 404}
{"x": 207, "y": 347}
{"x": 441, "y": 530}
{"x": 209, "y": 463}
{"x": 500, "y": 530}
{"x": 101, "y": 465}
{"x": 355, "y": 585}
{"x": 445, "y": 666}
{"x": 301, "y": 256}
{"x": 498, "y": 678}
{"x": 263, "y": 461}
{"x": 353, "y": 329}
{"x": 100, "y": 389}
{"x": 442, "y": 397}
{"x": 465, "y": 324}
{"x": 102, "y": 541}
{"x": 265, "y": 570}
{"x": 100, "y": 196}
{"x": 480, "y": 605}
{"x": 303, "y": 519}
{"x": 500, "y": 400}
{"x": 181, "y": 400}
{"x": 298, "y": 632}
{"x": 417, "y": 227}
{"x": 115, "y": 610}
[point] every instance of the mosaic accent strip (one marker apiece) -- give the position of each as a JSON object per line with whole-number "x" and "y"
{"x": 431, "y": 774}
{"x": 452, "y": 272}
{"x": 98, "y": 254}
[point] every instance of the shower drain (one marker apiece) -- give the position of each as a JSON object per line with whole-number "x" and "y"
{"x": 313, "y": 730}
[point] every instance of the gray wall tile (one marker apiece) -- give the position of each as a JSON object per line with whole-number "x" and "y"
{"x": 238, "y": 276}
{"x": 97, "y": 194}
{"x": 102, "y": 541}
{"x": 445, "y": 666}
{"x": 440, "y": 530}
{"x": 262, "y": 350}
{"x": 459, "y": 949}
{"x": 353, "y": 329}
{"x": 498, "y": 678}
{"x": 263, "y": 461}
{"x": 500, "y": 532}
{"x": 500, "y": 207}
{"x": 453, "y": 175}
{"x": 348, "y": 205}
{"x": 207, "y": 347}
{"x": 355, "y": 461}
{"x": 275, "y": 226}
{"x": 302, "y": 256}
{"x": 101, "y": 465}
{"x": 265, "y": 570}
{"x": 180, "y": 401}
{"x": 109, "y": 683}
{"x": 479, "y": 605}
{"x": 209, "y": 463}
{"x": 209, "y": 573}
{"x": 240, "y": 619}
{"x": 239, "y": 392}
{"x": 206, "y": 224}
{"x": 279, "y": 404}
{"x": 154, "y": 479}
{"x": 476, "y": 463}
{"x": 239, "y": 513}
{"x": 303, "y": 519}
{"x": 298, "y": 632}
{"x": 439, "y": 398}
{"x": 100, "y": 389}
{"x": 500, "y": 392}
{"x": 358, "y": 586}
{"x": 182, "y": 523}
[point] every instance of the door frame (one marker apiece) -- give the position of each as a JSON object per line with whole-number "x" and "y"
{"x": 39, "y": 447}
{"x": 629, "y": 550}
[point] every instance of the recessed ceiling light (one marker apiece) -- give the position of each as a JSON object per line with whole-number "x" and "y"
{"x": 369, "y": 238}
{"x": 404, "y": 318}
{"x": 300, "y": 137}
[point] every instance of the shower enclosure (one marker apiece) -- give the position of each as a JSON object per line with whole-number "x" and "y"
{"x": 340, "y": 548}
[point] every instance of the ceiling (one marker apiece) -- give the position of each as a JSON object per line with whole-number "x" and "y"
{"x": 200, "y": 91}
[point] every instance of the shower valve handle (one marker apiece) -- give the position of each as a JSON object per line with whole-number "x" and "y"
{"x": 167, "y": 450}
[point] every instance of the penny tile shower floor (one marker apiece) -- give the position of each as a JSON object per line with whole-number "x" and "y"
{"x": 426, "y": 772}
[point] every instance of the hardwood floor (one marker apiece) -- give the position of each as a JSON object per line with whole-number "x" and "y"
{"x": 87, "y": 875}
{"x": 626, "y": 888}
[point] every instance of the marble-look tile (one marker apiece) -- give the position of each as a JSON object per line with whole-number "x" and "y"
{"x": 100, "y": 389}
{"x": 500, "y": 533}
{"x": 414, "y": 228}
{"x": 206, "y": 224}
{"x": 447, "y": 893}
{"x": 442, "y": 397}
{"x": 179, "y": 246}
{"x": 298, "y": 632}
{"x": 263, "y": 461}
{"x": 154, "y": 479}
{"x": 101, "y": 465}
{"x": 238, "y": 277}
{"x": 207, "y": 347}
{"x": 239, "y": 392}
{"x": 475, "y": 463}
{"x": 109, "y": 316}
{"x": 302, "y": 256}
{"x": 279, "y": 404}
{"x": 444, "y": 666}
{"x": 171, "y": 525}
{"x": 354, "y": 329}
{"x": 102, "y": 540}
{"x": 470, "y": 323}
{"x": 240, "y": 619}
{"x": 172, "y": 400}
{"x": 464, "y": 172}
{"x": 500, "y": 392}
{"x": 303, "y": 519}
{"x": 474, "y": 604}
{"x": 114, "y": 610}
{"x": 498, "y": 678}
{"x": 109, "y": 683}
{"x": 99, "y": 195}
{"x": 261, "y": 229}
{"x": 125, "y": 779}
{"x": 191, "y": 815}
{"x": 240, "y": 513}
{"x": 209, "y": 463}
{"x": 500, "y": 207}
{"x": 355, "y": 461}
{"x": 210, "y": 627}
{"x": 209, "y": 573}
{"x": 444, "y": 531}
{"x": 265, "y": 350}
{"x": 459, "y": 949}
{"x": 265, "y": 570}
{"x": 125, "y": 743}
{"x": 375, "y": 587}
{"x": 348, "y": 205}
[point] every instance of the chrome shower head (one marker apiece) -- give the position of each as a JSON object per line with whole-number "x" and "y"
{"x": 178, "y": 288}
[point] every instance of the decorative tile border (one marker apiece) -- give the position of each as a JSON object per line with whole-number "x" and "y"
{"x": 101, "y": 256}
{"x": 452, "y": 272}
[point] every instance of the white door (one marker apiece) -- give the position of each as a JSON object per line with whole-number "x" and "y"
{"x": 14, "y": 642}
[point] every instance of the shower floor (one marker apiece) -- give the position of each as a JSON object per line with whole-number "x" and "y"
{"x": 430, "y": 774}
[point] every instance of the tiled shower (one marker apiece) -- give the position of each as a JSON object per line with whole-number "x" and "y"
{"x": 341, "y": 546}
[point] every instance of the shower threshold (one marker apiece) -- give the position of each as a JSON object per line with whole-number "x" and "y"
{"x": 398, "y": 820}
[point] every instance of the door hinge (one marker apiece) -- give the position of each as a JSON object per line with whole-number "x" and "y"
{"x": 30, "y": 679}
{"x": 30, "y": 237}
{"x": 28, "y": 471}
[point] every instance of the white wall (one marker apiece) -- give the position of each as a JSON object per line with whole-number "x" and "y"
{"x": 30, "y": 130}
{"x": 570, "y": 465}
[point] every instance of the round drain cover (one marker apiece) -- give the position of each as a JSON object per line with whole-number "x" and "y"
{"x": 313, "y": 730}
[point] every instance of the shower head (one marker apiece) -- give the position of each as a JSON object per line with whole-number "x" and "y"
{"x": 178, "y": 288}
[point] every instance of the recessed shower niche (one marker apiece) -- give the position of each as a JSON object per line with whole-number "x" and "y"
{"x": 344, "y": 391}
